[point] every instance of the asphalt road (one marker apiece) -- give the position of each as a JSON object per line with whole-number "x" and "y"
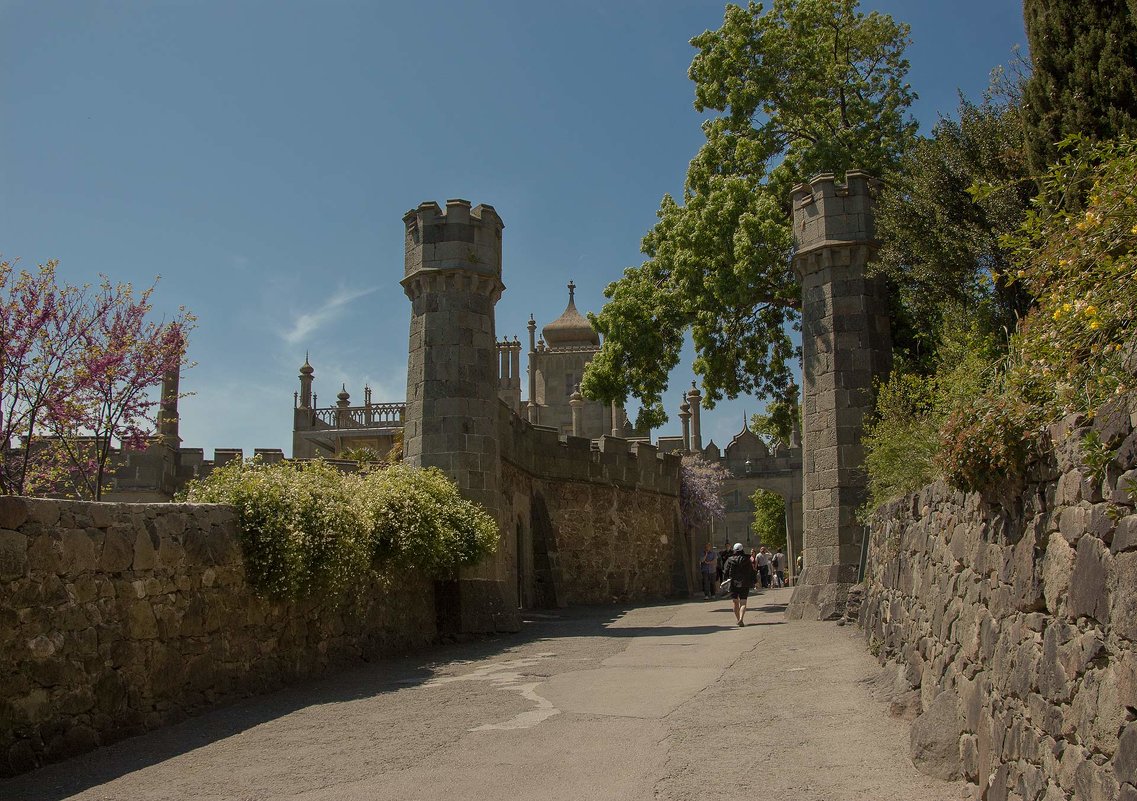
{"x": 661, "y": 702}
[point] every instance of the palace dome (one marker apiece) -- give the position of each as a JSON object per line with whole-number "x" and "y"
{"x": 571, "y": 328}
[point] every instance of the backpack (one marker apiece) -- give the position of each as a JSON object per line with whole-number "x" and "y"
{"x": 741, "y": 571}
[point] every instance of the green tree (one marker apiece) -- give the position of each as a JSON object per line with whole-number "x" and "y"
{"x": 1084, "y": 81}
{"x": 941, "y": 240}
{"x": 776, "y": 424}
{"x": 770, "y": 519}
{"x": 805, "y": 87}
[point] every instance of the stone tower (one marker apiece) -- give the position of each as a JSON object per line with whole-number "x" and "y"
{"x": 453, "y": 279}
{"x": 846, "y": 346}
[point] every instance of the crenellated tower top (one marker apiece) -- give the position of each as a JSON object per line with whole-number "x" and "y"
{"x": 827, "y": 213}
{"x": 458, "y": 241}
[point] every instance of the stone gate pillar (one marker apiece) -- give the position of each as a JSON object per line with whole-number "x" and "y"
{"x": 453, "y": 280}
{"x": 845, "y": 346}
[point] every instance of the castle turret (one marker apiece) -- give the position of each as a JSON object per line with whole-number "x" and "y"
{"x": 453, "y": 279}
{"x": 845, "y": 346}
{"x": 306, "y": 372}
{"x": 695, "y": 404}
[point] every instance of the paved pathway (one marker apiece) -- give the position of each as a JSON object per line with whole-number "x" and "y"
{"x": 651, "y": 703}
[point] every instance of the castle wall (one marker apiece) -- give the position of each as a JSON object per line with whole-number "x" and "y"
{"x": 589, "y": 526}
{"x": 119, "y": 618}
{"x": 1014, "y": 625}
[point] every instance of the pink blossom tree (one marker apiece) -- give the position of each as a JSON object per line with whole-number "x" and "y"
{"x": 78, "y": 366}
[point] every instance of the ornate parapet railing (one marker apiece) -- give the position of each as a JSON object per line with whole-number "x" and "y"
{"x": 372, "y": 415}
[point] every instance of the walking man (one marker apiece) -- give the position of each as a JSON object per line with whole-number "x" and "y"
{"x": 708, "y": 568}
{"x": 741, "y": 574}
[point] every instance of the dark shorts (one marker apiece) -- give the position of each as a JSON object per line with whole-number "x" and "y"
{"x": 741, "y": 594}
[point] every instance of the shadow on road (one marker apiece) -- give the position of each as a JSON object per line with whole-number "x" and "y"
{"x": 359, "y": 680}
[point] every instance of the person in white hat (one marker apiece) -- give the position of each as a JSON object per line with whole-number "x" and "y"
{"x": 741, "y": 573}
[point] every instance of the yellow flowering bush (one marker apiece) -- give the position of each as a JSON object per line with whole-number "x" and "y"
{"x": 308, "y": 528}
{"x": 1077, "y": 256}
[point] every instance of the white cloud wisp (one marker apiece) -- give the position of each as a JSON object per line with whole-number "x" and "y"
{"x": 309, "y": 322}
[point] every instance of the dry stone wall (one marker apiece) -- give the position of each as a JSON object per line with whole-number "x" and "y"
{"x": 118, "y": 618}
{"x": 1012, "y": 622}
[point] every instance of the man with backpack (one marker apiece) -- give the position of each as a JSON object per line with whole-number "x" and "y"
{"x": 740, "y": 571}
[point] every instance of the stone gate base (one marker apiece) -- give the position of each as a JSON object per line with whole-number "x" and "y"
{"x": 822, "y": 592}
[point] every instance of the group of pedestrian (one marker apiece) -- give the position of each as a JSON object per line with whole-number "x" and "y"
{"x": 738, "y": 573}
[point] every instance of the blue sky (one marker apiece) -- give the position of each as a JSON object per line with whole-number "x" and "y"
{"x": 259, "y": 155}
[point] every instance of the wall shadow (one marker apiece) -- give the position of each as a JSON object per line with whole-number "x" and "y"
{"x": 60, "y": 780}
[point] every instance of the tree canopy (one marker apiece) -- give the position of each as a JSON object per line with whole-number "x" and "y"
{"x": 769, "y": 518}
{"x": 1084, "y": 81}
{"x": 804, "y": 87}
{"x": 941, "y": 238}
{"x": 777, "y": 423}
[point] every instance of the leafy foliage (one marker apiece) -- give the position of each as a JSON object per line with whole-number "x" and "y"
{"x": 700, "y": 490}
{"x": 1084, "y": 81}
{"x": 770, "y": 519}
{"x": 308, "y": 528}
{"x": 941, "y": 246}
{"x": 902, "y": 439}
{"x": 776, "y": 424}
{"x": 1075, "y": 349}
{"x": 362, "y": 456}
{"x": 808, "y": 86}
{"x": 77, "y": 367}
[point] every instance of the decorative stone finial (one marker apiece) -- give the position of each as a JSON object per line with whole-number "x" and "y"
{"x": 571, "y": 289}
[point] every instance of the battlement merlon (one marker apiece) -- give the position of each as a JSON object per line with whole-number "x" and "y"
{"x": 460, "y": 238}
{"x": 831, "y": 214}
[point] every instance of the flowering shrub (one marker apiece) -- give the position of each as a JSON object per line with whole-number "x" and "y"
{"x": 418, "y": 520}
{"x": 903, "y": 439}
{"x": 700, "y": 490}
{"x": 1077, "y": 256}
{"x": 984, "y": 442}
{"x": 1081, "y": 266}
{"x": 308, "y": 528}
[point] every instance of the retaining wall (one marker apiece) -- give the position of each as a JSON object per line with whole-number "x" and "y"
{"x": 1012, "y": 622}
{"x": 118, "y": 618}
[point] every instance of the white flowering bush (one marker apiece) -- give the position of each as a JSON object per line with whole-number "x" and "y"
{"x": 418, "y": 520}
{"x": 309, "y": 529}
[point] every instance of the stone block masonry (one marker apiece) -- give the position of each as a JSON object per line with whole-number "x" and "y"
{"x": 118, "y": 618}
{"x": 846, "y": 346}
{"x": 594, "y": 525}
{"x": 452, "y": 276}
{"x": 1011, "y": 623}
